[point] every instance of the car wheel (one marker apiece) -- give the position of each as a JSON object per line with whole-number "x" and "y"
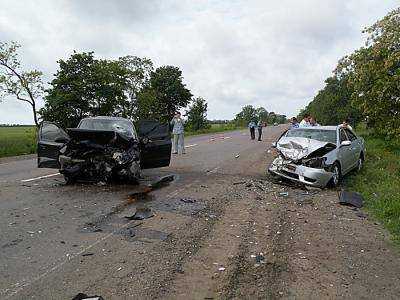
{"x": 69, "y": 180}
{"x": 337, "y": 175}
{"x": 360, "y": 163}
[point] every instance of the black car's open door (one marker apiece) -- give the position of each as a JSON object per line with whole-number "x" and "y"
{"x": 49, "y": 142}
{"x": 155, "y": 144}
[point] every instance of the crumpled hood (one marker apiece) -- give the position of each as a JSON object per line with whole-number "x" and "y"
{"x": 296, "y": 148}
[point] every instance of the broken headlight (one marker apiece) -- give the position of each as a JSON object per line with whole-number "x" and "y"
{"x": 315, "y": 162}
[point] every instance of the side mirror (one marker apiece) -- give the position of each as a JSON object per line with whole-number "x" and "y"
{"x": 273, "y": 145}
{"x": 61, "y": 140}
{"x": 345, "y": 143}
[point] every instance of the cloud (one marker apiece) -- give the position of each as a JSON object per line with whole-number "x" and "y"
{"x": 271, "y": 54}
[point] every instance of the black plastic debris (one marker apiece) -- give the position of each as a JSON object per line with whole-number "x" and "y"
{"x": 188, "y": 200}
{"x": 351, "y": 199}
{"x": 141, "y": 214}
{"x": 160, "y": 182}
{"x": 88, "y": 254}
{"x": 82, "y": 296}
{"x": 260, "y": 258}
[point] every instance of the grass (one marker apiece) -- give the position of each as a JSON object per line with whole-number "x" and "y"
{"x": 20, "y": 140}
{"x": 214, "y": 129}
{"x": 379, "y": 181}
{"x": 17, "y": 140}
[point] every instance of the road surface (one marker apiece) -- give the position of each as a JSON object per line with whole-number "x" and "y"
{"x": 222, "y": 229}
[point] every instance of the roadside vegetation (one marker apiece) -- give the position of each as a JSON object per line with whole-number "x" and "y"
{"x": 379, "y": 180}
{"x": 17, "y": 140}
{"x": 365, "y": 88}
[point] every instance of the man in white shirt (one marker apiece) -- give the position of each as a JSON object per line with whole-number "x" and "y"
{"x": 305, "y": 122}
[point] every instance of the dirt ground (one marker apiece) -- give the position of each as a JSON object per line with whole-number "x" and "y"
{"x": 227, "y": 232}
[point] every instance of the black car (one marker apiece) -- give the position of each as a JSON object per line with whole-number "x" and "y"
{"x": 103, "y": 148}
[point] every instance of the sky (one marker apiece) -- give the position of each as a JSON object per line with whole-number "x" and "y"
{"x": 275, "y": 54}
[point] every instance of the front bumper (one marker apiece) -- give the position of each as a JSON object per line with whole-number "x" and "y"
{"x": 299, "y": 173}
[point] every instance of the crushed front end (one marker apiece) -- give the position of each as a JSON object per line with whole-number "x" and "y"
{"x": 99, "y": 156}
{"x": 303, "y": 161}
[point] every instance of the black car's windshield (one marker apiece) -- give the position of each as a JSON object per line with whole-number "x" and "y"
{"x": 315, "y": 134}
{"x": 122, "y": 126}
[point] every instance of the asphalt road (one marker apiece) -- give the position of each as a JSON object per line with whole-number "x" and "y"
{"x": 220, "y": 230}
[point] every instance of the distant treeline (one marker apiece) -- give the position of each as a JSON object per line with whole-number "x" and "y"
{"x": 365, "y": 84}
{"x": 15, "y": 125}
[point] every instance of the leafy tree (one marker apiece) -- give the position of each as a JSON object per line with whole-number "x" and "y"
{"x": 333, "y": 103}
{"x": 374, "y": 75}
{"x": 262, "y": 114}
{"x": 164, "y": 94}
{"x": 138, "y": 71}
{"x": 25, "y": 86}
{"x": 83, "y": 87}
{"x": 247, "y": 114}
{"x": 197, "y": 115}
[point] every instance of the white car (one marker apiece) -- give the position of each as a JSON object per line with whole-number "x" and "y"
{"x": 318, "y": 156}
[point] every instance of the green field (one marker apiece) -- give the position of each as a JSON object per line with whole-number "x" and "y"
{"x": 379, "y": 181}
{"x": 22, "y": 139}
{"x": 17, "y": 140}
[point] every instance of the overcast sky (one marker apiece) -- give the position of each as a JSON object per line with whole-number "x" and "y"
{"x": 274, "y": 54}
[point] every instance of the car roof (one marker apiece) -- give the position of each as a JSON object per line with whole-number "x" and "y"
{"x": 106, "y": 118}
{"x": 317, "y": 128}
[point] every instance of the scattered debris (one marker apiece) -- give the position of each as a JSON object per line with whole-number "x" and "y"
{"x": 239, "y": 182}
{"x": 351, "y": 199}
{"x": 260, "y": 258}
{"x": 88, "y": 254}
{"x": 188, "y": 200}
{"x": 221, "y": 269}
{"x": 283, "y": 194}
{"x": 101, "y": 183}
{"x": 237, "y": 155}
{"x": 361, "y": 215}
{"x": 82, "y": 296}
{"x": 162, "y": 181}
{"x": 141, "y": 214}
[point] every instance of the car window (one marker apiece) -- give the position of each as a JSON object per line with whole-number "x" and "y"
{"x": 121, "y": 126}
{"x": 322, "y": 135}
{"x": 49, "y": 132}
{"x": 343, "y": 136}
{"x": 351, "y": 135}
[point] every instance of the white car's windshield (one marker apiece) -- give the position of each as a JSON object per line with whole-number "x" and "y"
{"x": 315, "y": 134}
{"x": 121, "y": 126}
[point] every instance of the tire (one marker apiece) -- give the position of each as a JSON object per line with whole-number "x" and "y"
{"x": 69, "y": 180}
{"x": 337, "y": 175}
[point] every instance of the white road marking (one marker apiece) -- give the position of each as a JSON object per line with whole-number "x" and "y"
{"x": 191, "y": 145}
{"x": 40, "y": 177}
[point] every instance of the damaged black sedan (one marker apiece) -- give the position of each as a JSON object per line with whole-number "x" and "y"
{"x": 318, "y": 156}
{"x": 103, "y": 148}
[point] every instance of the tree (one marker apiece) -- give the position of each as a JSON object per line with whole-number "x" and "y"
{"x": 83, "y": 87}
{"x": 26, "y": 86}
{"x": 138, "y": 71}
{"x": 333, "y": 103}
{"x": 164, "y": 94}
{"x": 262, "y": 114}
{"x": 373, "y": 75}
{"x": 247, "y": 114}
{"x": 197, "y": 115}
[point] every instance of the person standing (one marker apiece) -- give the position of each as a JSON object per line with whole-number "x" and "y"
{"x": 260, "y": 125}
{"x": 294, "y": 123}
{"x": 178, "y": 133}
{"x": 252, "y": 126}
{"x": 305, "y": 122}
{"x": 313, "y": 122}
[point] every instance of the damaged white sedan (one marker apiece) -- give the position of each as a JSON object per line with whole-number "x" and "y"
{"x": 318, "y": 156}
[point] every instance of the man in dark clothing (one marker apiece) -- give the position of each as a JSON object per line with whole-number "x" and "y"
{"x": 252, "y": 126}
{"x": 259, "y": 127}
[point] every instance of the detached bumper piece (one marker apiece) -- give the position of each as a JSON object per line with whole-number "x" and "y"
{"x": 299, "y": 173}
